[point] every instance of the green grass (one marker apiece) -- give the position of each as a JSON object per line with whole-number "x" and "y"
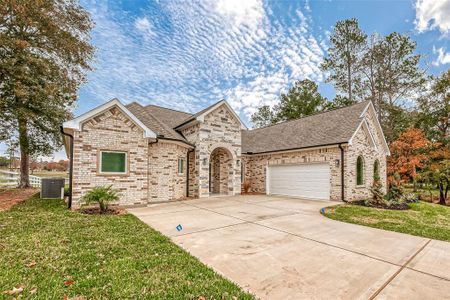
{"x": 423, "y": 219}
{"x": 54, "y": 252}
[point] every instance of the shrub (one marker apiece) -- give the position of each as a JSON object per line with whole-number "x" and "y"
{"x": 103, "y": 195}
{"x": 395, "y": 189}
{"x": 410, "y": 198}
{"x": 377, "y": 195}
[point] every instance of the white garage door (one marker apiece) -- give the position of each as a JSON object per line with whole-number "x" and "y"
{"x": 304, "y": 180}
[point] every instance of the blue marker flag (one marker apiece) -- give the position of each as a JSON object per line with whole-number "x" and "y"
{"x": 179, "y": 227}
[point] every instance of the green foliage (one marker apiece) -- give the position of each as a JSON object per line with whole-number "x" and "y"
{"x": 101, "y": 195}
{"x": 395, "y": 191}
{"x": 45, "y": 52}
{"x": 4, "y": 161}
{"x": 384, "y": 69}
{"x": 66, "y": 254}
{"x": 344, "y": 57}
{"x": 377, "y": 199}
{"x": 338, "y": 102}
{"x": 434, "y": 107}
{"x": 422, "y": 219}
{"x": 301, "y": 100}
{"x": 263, "y": 117}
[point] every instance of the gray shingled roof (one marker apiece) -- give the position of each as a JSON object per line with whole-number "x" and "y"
{"x": 194, "y": 116}
{"x": 332, "y": 127}
{"x": 168, "y": 116}
{"x": 153, "y": 119}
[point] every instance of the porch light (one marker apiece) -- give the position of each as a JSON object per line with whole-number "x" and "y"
{"x": 238, "y": 162}
{"x": 205, "y": 161}
{"x": 337, "y": 162}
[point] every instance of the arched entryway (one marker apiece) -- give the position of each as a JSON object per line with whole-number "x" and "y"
{"x": 220, "y": 172}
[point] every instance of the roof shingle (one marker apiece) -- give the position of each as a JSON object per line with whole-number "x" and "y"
{"x": 332, "y": 127}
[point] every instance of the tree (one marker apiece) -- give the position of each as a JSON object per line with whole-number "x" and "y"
{"x": 344, "y": 57}
{"x": 408, "y": 155}
{"x": 391, "y": 75}
{"x": 44, "y": 54}
{"x": 438, "y": 170}
{"x": 338, "y": 102}
{"x": 384, "y": 69}
{"x": 301, "y": 100}
{"x": 263, "y": 117}
{"x": 434, "y": 106}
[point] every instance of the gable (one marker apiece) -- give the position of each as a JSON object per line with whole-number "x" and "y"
{"x": 222, "y": 114}
{"x": 200, "y": 116}
{"x": 77, "y": 123}
{"x": 372, "y": 129}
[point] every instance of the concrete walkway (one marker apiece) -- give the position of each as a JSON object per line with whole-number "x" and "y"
{"x": 282, "y": 248}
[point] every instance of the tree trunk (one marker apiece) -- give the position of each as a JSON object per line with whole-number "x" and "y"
{"x": 441, "y": 194}
{"x": 24, "y": 154}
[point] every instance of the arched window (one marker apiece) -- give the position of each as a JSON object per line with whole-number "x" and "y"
{"x": 376, "y": 170}
{"x": 359, "y": 171}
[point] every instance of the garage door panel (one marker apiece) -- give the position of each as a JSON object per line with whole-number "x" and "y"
{"x": 303, "y": 180}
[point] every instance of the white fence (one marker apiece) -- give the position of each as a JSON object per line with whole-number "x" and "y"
{"x": 11, "y": 179}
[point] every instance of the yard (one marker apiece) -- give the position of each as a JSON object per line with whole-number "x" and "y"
{"x": 48, "y": 252}
{"x": 423, "y": 219}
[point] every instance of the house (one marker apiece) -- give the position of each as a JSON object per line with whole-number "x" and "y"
{"x": 154, "y": 154}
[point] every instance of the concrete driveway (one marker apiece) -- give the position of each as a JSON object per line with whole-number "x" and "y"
{"x": 282, "y": 248}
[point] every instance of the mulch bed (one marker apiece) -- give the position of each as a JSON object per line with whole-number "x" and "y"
{"x": 109, "y": 211}
{"x": 10, "y": 197}
{"x": 398, "y": 206}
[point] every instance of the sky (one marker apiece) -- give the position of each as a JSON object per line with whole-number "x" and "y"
{"x": 186, "y": 55}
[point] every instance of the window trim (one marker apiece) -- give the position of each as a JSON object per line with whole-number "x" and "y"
{"x": 182, "y": 166}
{"x": 99, "y": 162}
{"x": 362, "y": 172}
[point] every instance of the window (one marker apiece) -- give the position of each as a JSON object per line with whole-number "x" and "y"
{"x": 359, "y": 171}
{"x": 376, "y": 170}
{"x": 180, "y": 166}
{"x": 113, "y": 162}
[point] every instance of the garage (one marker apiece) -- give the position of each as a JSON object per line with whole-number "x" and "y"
{"x": 310, "y": 181}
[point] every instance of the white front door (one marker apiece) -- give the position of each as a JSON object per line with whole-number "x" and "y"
{"x": 303, "y": 180}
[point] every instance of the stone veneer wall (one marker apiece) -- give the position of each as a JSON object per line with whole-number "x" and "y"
{"x": 361, "y": 146}
{"x": 164, "y": 181}
{"x": 219, "y": 129}
{"x": 111, "y": 130}
{"x": 221, "y": 171}
{"x": 255, "y": 167}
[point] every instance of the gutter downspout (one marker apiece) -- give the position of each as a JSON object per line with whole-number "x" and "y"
{"x": 69, "y": 204}
{"x": 187, "y": 172}
{"x": 342, "y": 173}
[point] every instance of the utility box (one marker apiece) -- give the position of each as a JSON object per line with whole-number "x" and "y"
{"x": 52, "y": 188}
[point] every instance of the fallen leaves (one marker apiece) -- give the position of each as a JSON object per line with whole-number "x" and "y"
{"x": 31, "y": 264}
{"x": 15, "y": 290}
{"x": 68, "y": 282}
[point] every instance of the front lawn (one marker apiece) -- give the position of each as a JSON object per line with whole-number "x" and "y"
{"x": 48, "y": 252}
{"x": 423, "y": 219}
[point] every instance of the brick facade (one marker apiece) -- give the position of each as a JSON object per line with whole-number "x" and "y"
{"x": 362, "y": 146}
{"x": 111, "y": 130}
{"x": 255, "y": 167}
{"x": 152, "y": 164}
{"x": 220, "y": 129}
{"x": 152, "y": 167}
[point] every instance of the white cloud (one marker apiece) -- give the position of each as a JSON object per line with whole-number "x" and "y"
{"x": 201, "y": 55}
{"x": 431, "y": 14}
{"x": 443, "y": 56}
{"x": 241, "y": 12}
{"x": 143, "y": 24}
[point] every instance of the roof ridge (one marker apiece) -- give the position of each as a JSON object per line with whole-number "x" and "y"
{"x": 312, "y": 115}
{"x": 175, "y": 110}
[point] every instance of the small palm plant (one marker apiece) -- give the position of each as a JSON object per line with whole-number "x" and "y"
{"x": 103, "y": 195}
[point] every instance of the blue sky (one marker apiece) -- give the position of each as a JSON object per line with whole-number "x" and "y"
{"x": 187, "y": 54}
